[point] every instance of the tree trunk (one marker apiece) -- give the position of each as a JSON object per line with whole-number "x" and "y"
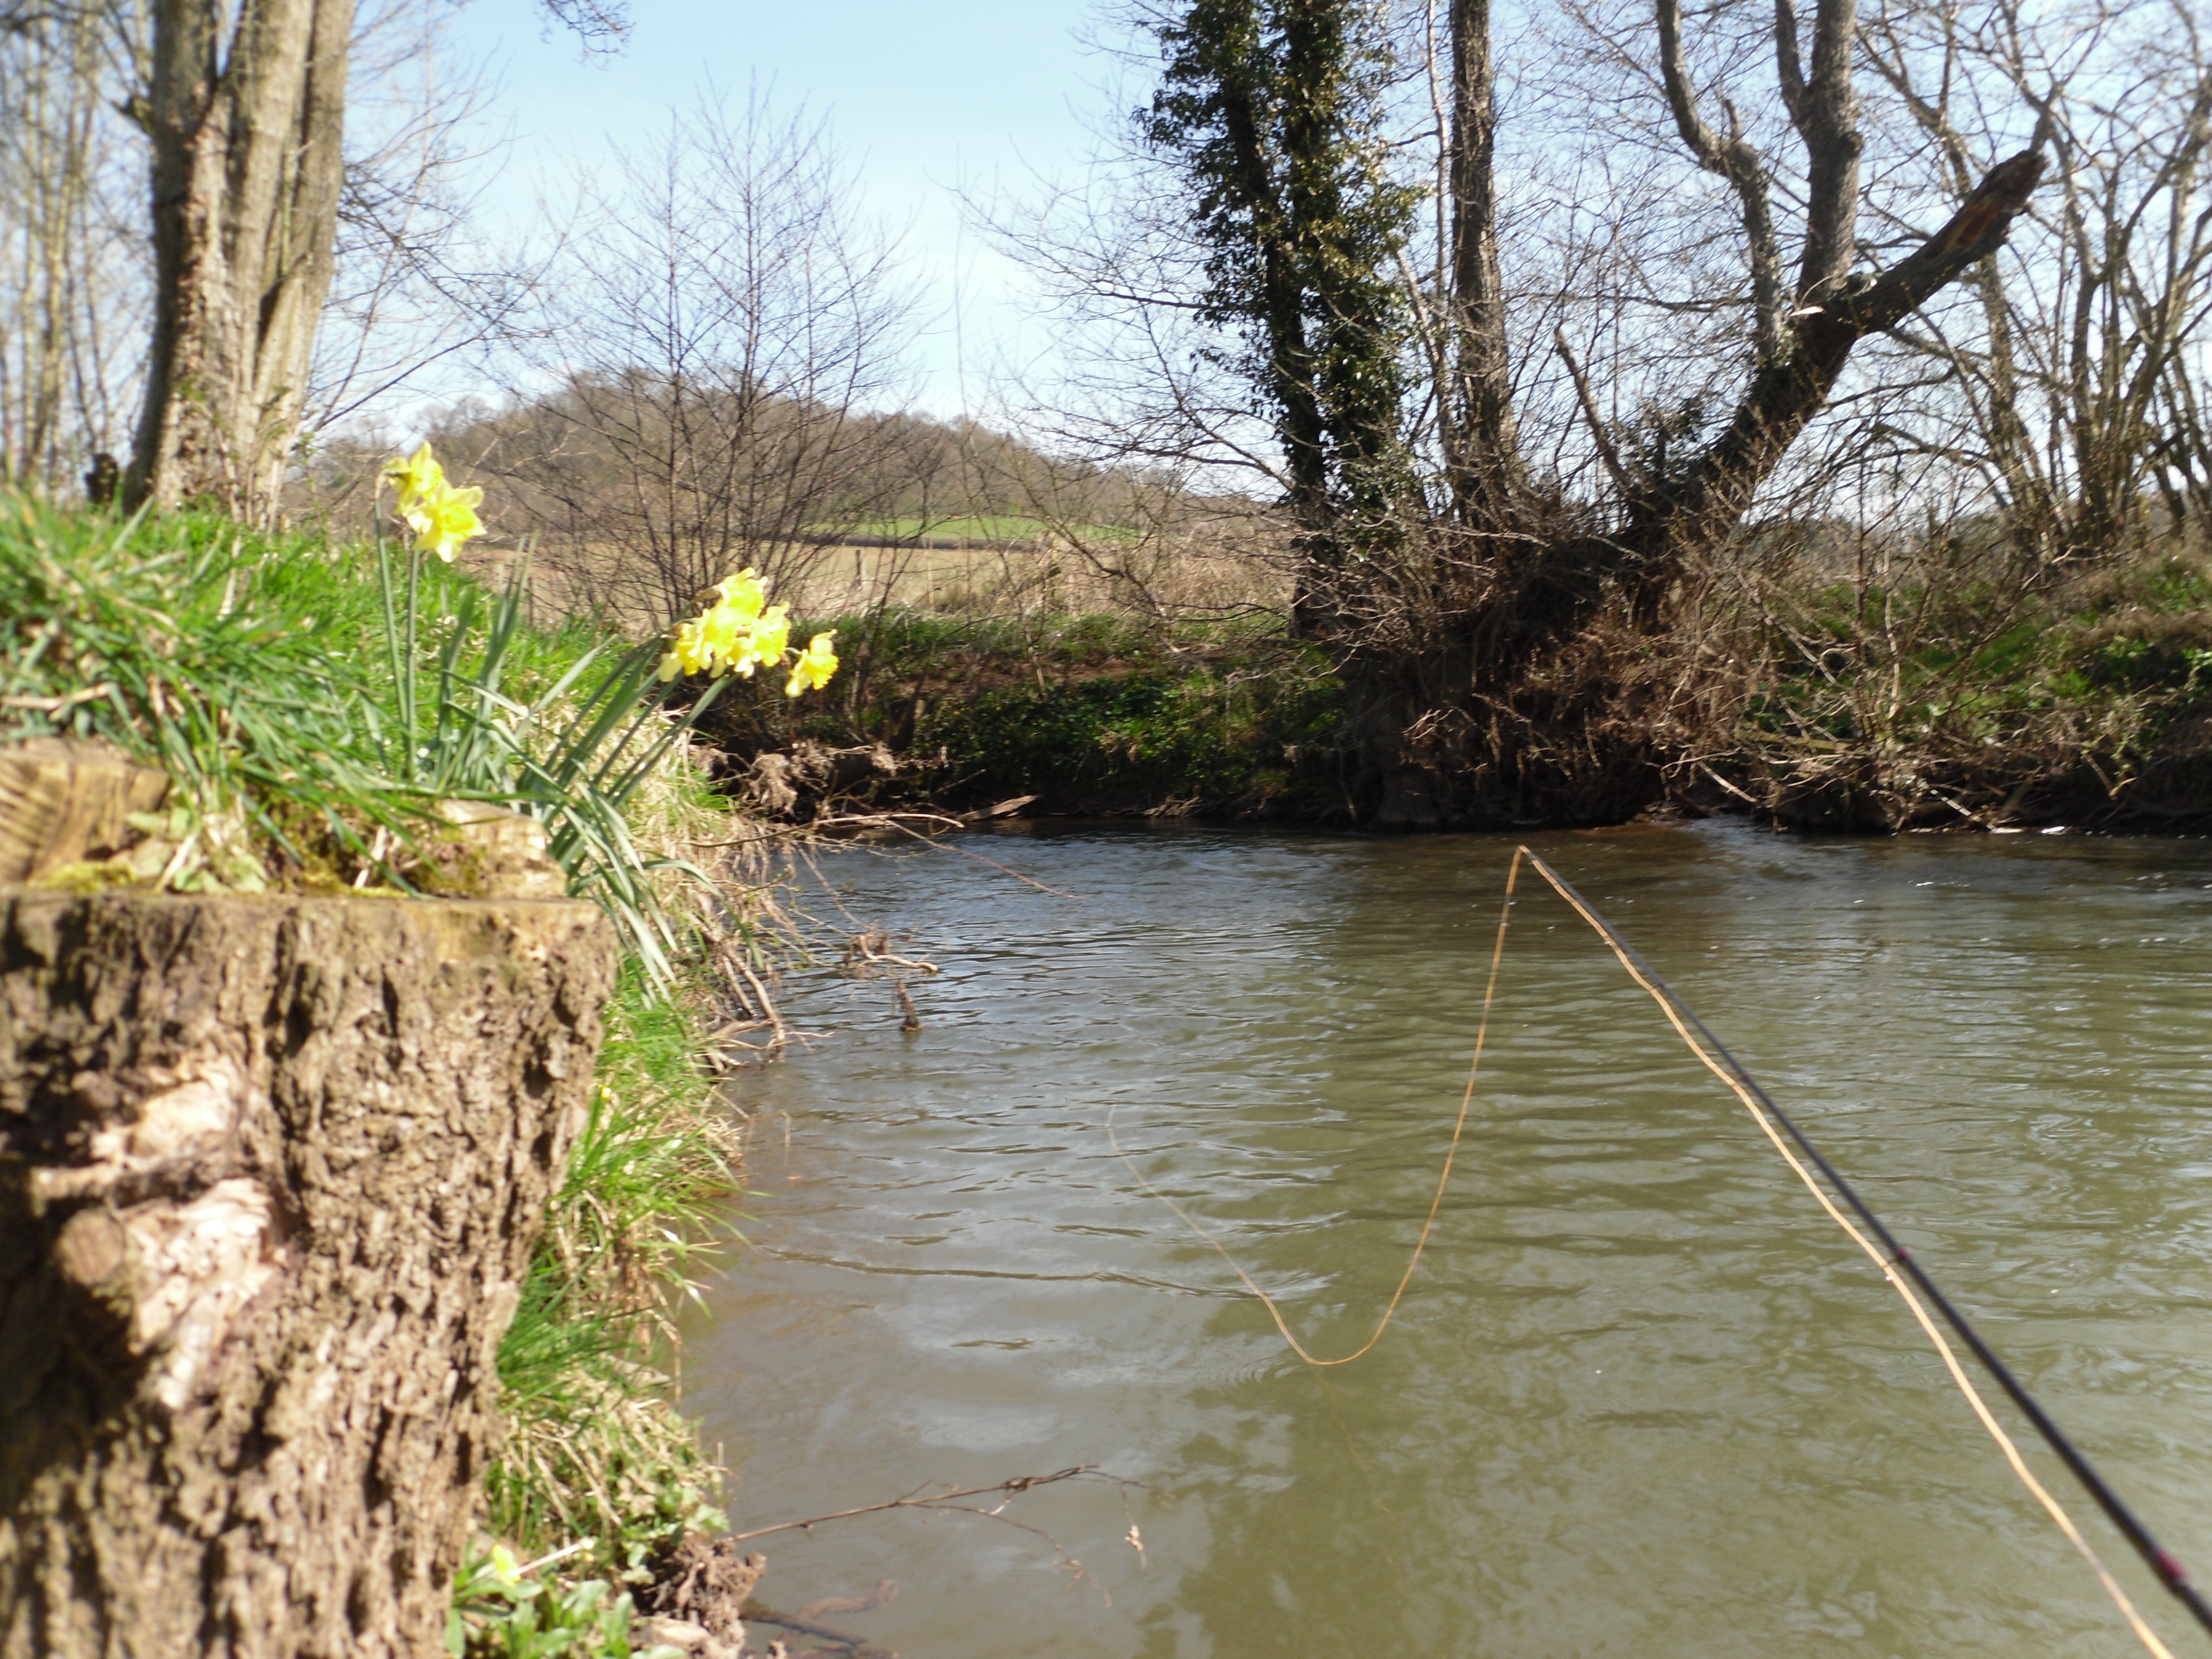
{"x": 1299, "y": 422}
{"x": 1489, "y": 483}
{"x": 1485, "y": 715}
{"x": 248, "y": 137}
{"x": 270, "y": 1172}
{"x": 1711, "y": 497}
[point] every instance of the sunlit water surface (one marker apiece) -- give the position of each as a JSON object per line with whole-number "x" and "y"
{"x": 1643, "y": 1399}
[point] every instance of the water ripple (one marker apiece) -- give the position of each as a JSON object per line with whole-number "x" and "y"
{"x": 1643, "y": 1399}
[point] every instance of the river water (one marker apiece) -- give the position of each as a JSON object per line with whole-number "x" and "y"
{"x": 1643, "y": 1398}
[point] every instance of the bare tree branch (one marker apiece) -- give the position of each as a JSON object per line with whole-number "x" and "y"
{"x": 1735, "y": 159}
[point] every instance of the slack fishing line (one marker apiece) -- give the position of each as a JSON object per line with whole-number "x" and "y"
{"x": 1882, "y": 1249}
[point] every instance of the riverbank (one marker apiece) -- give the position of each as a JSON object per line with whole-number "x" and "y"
{"x": 336, "y": 721}
{"x": 2084, "y": 699}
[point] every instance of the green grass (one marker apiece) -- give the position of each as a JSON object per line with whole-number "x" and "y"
{"x": 2060, "y": 699}
{"x": 233, "y": 662}
{"x": 315, "y": 704}
{"x": 1201, "y": 741}
{"x": 500, "y": 1612}
{"x": 1100, "y": 713}
{"x": 593, "y": 1450}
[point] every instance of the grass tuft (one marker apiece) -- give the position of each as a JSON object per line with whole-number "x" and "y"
{"x": 595, "y": 1447}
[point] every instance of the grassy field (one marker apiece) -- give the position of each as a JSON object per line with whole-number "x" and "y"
{"x": 1003, "y": 528}
{"x": 1159, "y": 579}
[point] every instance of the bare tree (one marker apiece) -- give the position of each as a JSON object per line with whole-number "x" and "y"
{"x": 72, "y": 277}
{"x": 1500, "y": 538}
{"x": 410, "y": 285}
{"x": 246, "y": 115}
{"x": 244, "y": 109}
{"x": 2071, "y": 369}
{"x": 415, "y": 284}
{"x": 701, "y": 397}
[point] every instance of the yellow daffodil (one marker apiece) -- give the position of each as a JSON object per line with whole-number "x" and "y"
{"x": 692, "y": 651}
{"x": 729, "y": 630}
{"x": 814, "y": 667}
{"x": 416, "y": 476}
{"x": 764, "y": 641}
{"x": 713, "y": 639}
{"x": 444, "y": 517}
{"x": 742, "y": 596}
{"x": 737, "y": 632}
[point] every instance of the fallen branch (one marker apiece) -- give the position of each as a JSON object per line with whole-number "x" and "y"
{"x": 1005, "y": 1489}
{"x": 1739, "y": 793}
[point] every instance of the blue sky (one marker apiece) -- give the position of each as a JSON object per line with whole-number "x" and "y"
{"x": 923, "y": 94}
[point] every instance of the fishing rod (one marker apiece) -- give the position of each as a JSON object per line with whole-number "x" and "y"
{"x": 2168, "y": 1570}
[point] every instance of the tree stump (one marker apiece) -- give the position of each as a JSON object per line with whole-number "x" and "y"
{"x": 62, "y": 800}
{"x": 270, "y": 1172}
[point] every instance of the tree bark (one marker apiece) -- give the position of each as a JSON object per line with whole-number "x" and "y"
{"x": 1488, "y": 480}
{"x": 1708, "y": 500}
{"x": 270, "y": 1173}
{"x": 247, "y": 128}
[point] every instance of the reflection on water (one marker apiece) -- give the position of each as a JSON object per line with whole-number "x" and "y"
{"x": 1642, "y": 1400}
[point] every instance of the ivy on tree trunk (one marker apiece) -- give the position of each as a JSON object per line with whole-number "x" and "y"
{"x": 1445, "y": 606}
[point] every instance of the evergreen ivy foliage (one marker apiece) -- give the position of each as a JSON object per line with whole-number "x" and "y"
{"x": 1271, "y": 111}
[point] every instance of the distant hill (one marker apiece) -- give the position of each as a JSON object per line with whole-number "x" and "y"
{"x": 637, "y": 491}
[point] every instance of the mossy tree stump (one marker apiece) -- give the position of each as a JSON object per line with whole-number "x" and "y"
{"x": 270, "y": 1172}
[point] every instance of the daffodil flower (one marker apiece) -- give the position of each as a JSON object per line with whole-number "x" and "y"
{"x": 737, "y": 632}
{"x": 444, "y": 517}
{"x": 742, "y": 596}
{"x": 814, "y": 666}
{"x": 765, "y": 641}
{"x": 693, "y": 651}
{"x": 415, "y": 476}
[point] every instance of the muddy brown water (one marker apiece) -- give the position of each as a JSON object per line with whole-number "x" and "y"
{"x": 1643, "y": 1398}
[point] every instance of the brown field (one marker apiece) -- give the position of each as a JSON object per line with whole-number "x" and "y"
{"x": 1161, "y": 579}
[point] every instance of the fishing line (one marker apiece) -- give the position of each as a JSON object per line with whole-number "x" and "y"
{"x": 1714, "y": 1055}
{"x": 1763, "y": 1110}
{"x": 1444, "y": 1180}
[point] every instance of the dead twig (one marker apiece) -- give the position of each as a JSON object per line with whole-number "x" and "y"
{"x": 1588, "y": 400}
{"x": 1005, "y": 1489}
{"x": 1739, "y": 793}
{"x": 994, "y": 863}
{"x": 871, "y": 947}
